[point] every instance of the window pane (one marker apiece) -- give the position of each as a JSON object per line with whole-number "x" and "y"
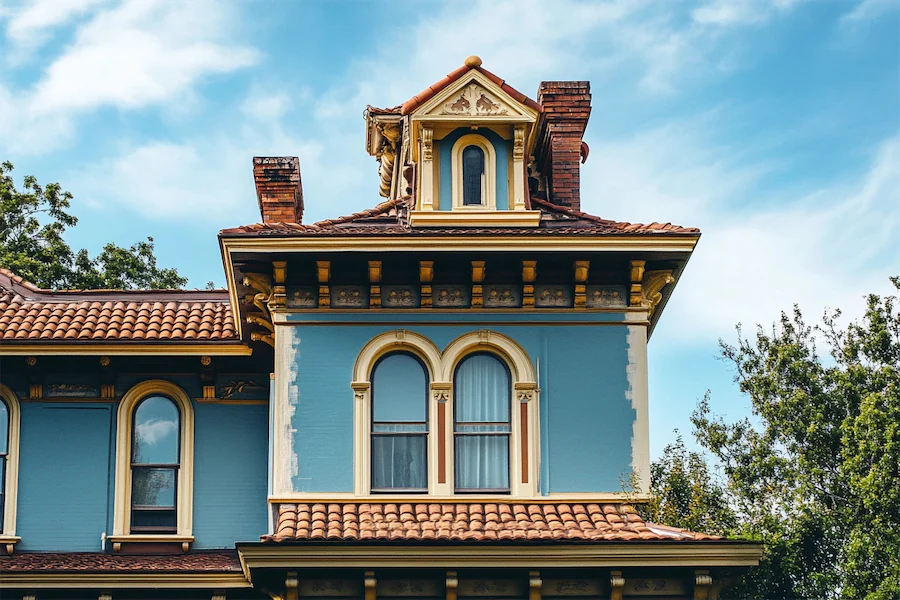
{"x": 156, "y": 423}
{"x": 473, "y": 169}
{"x": 153, "y": 487}
{"x": 4, "y": 428}
{"x": 399, "y": 390}
{"x": 151, "y": 521}
{"x": 482, "y": 462}
{"x": 482, "y": 390}
{"x": 398, "y": 462}
{"x": 400, "y": 428}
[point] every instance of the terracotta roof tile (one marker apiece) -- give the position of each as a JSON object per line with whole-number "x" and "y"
{"x": 469, "y": 521}
{"x": 100, "y": 562}
{"x": 28, "y": 313}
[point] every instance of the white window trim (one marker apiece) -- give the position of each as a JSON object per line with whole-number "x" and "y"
{"x": 488, "y": 180}
{"x": 8, "y": 535}
{"x": 124, "y": 433}
{"x": 441, "y": 367}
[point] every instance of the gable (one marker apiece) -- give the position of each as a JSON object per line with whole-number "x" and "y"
{"x": 474, "y": 95}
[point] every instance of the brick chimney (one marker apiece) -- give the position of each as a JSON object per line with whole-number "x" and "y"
{"x": 567, "y": 108}
{"x": 278, "y": 188}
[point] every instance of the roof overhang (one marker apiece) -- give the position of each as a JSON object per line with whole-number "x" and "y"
{"x": 89, "y": 348}
{"x": 141, "y": 580}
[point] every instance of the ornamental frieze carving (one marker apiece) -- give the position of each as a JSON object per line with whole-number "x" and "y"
{"x": 607, "y": 296}
{"x": 474, "y": 100}
{"x": 553, "y": 296}
{"x": 349, "y": 296}
{"x": 502, "y": 296}
{"x": 302, "y": 297}
{"x": 399, "y": 296}
{"x": 450, "y": 296}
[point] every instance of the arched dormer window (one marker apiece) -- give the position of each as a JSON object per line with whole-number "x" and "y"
{"x": 155, "y": 463}
{"x": 474, "y": 173}
{"x": 399, "y": 424}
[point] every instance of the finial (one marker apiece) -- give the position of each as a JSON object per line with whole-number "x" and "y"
{"x": 473, "y": 62}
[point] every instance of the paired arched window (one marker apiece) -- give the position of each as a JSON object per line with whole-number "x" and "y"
{"x": 482, "y": 424}
{"x": 399, "y": 424}
{"x": 155, "y": 461}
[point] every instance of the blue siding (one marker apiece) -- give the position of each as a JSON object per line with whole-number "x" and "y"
{"x": 501, "y": 148}
{"x": 586, "y": 417}
{"x": 64, "y": 474}
{"x": 230, "y": 469}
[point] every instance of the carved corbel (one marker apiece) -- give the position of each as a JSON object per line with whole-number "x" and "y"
{"x": 452, "y": 585}
{"x": 654, "y": 282}
{"x": 370, "y": 584}
{"x": 477, "y": 281}
{"x": 426, "y": 275}
{"x": 637, "y": 276}
{"x": 261, "y": 321}
{"x": 582, "y": 268}
{"x": 616, "y": 585}
{"x": 534, "y": 585}
{"x": 702, "y": 584}
{"x": 279, "y": 294}
{"x": 265, "y": 338}
{"x": 375, "y": 281}
{"x": 529, "y": 274}
{"x": 323, "y": 274}
{"x": 291, "y": 586}
{"x": 35, "y": 391}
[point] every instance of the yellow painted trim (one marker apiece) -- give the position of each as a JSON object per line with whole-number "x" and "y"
{"x": 489, "y": 178}
{"x": 11, "y": 485}
{"x": 122, "y": 501}
{"x": 525, "y": 113}
{"x": 231, "y": 285}
{"x": 124, "y": 580}
{"x": 644, "y": 553}
{"x": 89, "y": 348}
{"x": 231, "y": 401}
{"x": 512, "y": 243}
{"x": 348, "y": 497}
{"x": 467, "y": 217}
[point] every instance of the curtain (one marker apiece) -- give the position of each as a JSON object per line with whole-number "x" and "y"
{"x": 399, "y": 424}
{"x": 482, "y": 423}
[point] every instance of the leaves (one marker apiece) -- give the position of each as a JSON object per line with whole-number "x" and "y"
{"x": 815, "y": 474}
{"x": 32, "y": 224}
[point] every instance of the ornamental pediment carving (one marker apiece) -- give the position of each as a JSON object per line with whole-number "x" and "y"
{"x": 474, "y": 101}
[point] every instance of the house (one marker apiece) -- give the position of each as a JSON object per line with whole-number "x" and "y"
{"x": 444, "y": 396}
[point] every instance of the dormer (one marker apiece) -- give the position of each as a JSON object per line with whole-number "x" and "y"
{"x": 461, "y": 149}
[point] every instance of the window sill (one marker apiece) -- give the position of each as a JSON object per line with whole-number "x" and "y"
{"x": 475, "y": 218}
{"x": 151, "y": 538}
{"x": 9, "y": 542}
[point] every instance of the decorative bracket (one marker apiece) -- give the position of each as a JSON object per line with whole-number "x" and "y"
{"x": 534, "y": 585}
{"x": 477, "y": 280}
{"x": 291, "y": 586}
{"x": 323, "y": 274}
{"x": 452, "y": 585}
{"x": 375, "y": 281}
{"x": 279, "y": 294}
{"x": 370, "y": 583}
{"x": 426, "y": 275}
{"x": 582, "y": 267}
{"x": 529, "y": 274}
{"x": 646, "y": 286}
{"x": 616, "y": 585}
{"x": 264, "y": 301}
{"x": 702, "y": 584}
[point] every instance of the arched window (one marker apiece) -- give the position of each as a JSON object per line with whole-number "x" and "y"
{"x": 473, "y": 175}
{"x": 4, "y": 454}
{"x": 399, "y": 424}
{"x": 154, "y": 466}
{"x": 9, "y": 465}
{"x": 482, "y": 426}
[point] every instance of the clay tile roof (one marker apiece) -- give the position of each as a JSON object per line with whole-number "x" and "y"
{"x": 470, "y": 522}
{"x": 429, "y": 92}
{"x": 390, "y": 218}
{"x": 29, "y": 313}
{"x": 100, "y": 562}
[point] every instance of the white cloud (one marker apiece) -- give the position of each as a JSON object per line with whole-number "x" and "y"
{"x": 155, "y": 430}
{"x": 869, "y": 10}
{"x": 725, "y": 13}
{"x": 29, "y": 25}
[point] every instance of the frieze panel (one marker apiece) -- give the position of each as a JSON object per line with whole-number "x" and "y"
{"x": 450, "y": 296}
{"x": 400, "y": 296}
{"x": 572, "y": 587}
{"x": 419, "y": 588}
{"x": 607, "y": 296}
{"x": 349, "y": 296}
{"x": 330, "y": 587}
{"x": 242, "y": 387}
{"x": 502, "y": 296}
{"x": 553, "y": 296}
{"x": 491, "y": 587}
{"x": 654, "y": 587}
{"x": 302, "y": 297}
{"x": 72, "y": 390}
{"x": 474, "y": 100}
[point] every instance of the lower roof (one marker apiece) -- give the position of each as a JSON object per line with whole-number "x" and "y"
{"x": 218, "y": 561}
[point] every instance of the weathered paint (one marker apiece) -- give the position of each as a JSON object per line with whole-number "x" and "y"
{"x": 65, "y": 472}
{"x": 587, "y": 418}
{"x": 501, "y": 148}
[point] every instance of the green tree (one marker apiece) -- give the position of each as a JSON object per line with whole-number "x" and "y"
{"x": 815, "y": 475}
{"x": 32, "y": 224}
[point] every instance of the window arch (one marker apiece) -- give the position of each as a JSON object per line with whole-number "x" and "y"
{"x": 399, "y": 434}
{"x": 154, "y": 465}
{"x": 9, "y": 465}
{"x": 482, "y": 424}
{"x": 473, "y": 170}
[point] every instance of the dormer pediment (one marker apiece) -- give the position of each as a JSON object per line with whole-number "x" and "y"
{"x": 472, "y": 98}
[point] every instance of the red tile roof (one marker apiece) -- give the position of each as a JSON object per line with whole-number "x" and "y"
{"x": 28, "y": 313}
{"x": 99, "y": 562}
{"x": 391, "y": 218}
{"x": 469, "y": 522}
{"x": 429, "y": 92}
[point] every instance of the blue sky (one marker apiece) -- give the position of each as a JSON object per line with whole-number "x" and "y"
{"x": 773, "y": 125}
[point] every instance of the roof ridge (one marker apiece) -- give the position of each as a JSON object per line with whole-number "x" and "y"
{"x": 19, "y": 281}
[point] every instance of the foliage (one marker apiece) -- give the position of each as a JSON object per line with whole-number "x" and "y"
{"x": 815, "y": 475}
{"x": 37, "y": 251}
